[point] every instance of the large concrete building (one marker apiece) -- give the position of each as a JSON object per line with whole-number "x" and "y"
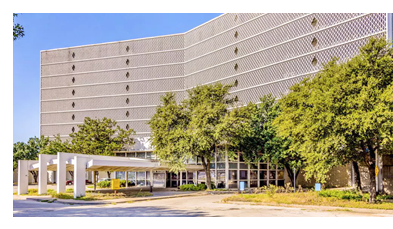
{"x": 265, "y": 53}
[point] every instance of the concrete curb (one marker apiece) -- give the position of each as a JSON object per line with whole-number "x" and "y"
{"x": 116, "y": 201}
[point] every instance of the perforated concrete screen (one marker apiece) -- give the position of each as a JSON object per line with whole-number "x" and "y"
{"x": 266, "y": 53}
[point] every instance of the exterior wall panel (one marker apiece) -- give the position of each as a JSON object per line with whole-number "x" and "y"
{"x": 274, "y": 51}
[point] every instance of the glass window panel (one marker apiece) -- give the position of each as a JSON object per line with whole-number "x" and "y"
{"x": 263, "y": 175}
{"x": 201, "y": 175}
{"x": 221, "y": 184}
{"x": 183, "y": 175}
{"x": 130, "y": 154}
{"x": 140, "y": 155}
{"x": 213, "y": 165}
{"x": 158, "y": 176}
{"x": 280, "y": 174}
{"x": 220, "y": 157}
{"x": 149, "y": 155}
{"x": 213, "y": 175}
{"x": 174, "y": 184}
{"x": 232, "y": 184}
{"x": 190, "y": 175}
{"x": 131, "y": 176}
{"x": 243, "y": 174}
{"x": 241, "y": 158}
{"x": 280, "y": 183}
{"x": 141, "y": 182}
{"x": 263, "y": 166}
{"x": 243, "y": 166}
{"x": 272, "y": 175}
{"x": 220, "y": 165}
{"x": 174, "y": 176}
{"x": 140, "y": 175}
{"x": 121, "y": 175}
{"x": 232, "y": 165}
{"x": 221, "y": 175}
{"x": 120, "y": 154}
{"x": 253, "y": 174}
{"x": 253, "y": 184}
{"x": 232, "y": 175}
{"x": 253, "y": 166}
{"x": 263, "y": 183}
{"x": 273, "y": 182}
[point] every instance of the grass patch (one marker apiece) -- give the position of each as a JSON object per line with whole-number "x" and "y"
{"x": 99, "y": 196}
{"x": 69, "y": 190}
{"x": 309, "y": 198}
{"x": 90, "y": 186}
{"x": 15, "y": 193}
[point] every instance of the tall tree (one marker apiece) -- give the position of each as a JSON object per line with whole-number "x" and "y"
{"x": 29, "y": 151}
{"x": 19, "y": 31}
{"x": 249, "y": 129}
{"x": 345, "y": 113}
{"x": 185, "y": 130}
{"x": 99, "y": 137}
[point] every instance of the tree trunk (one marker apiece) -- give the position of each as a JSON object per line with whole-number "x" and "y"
{"x": 370, "y": 162}
{"x": 72, "y": 174}
{"x": 109, "y": 174}
{"x": 290, "y": 173}
{"x": 206, "y": 167}
{"x": 356, "y": 176}
{"x": 35, "y": 175}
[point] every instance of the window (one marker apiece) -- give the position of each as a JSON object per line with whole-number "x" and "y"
{"x": 127, "y": 127}
{"x": 236, "y": 67}
{"x": 127, "y": 74}
{"x": 73, "y": 129}
{"x": 73, "y": 55}
{"x": 232, "y": 165}
{"x": 314, "y": 22}
{"x": 73, "y": 79}
{"x": 236, "y": 50}
{"x": 236, "y": 34}
{"x": 314, "y": 61}
{"x": 73, "y": 117}
{"x": 127, "y": 100}
{"x": 314, "y": 42}
{"x": 73, "y": 92}
{"x": 128, "y": 48}
{"x": 73, "y": 67}
{"x": 127, "y": 113}
{"x": 232, "y": 175}
{"x": 127, "y": 61}
{"x": 73, "y": 104}
{"x": 128, "y": 88}
{"x": 236, "y": 17}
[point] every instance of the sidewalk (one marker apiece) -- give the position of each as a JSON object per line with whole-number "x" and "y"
{"x": 157, "y": 196}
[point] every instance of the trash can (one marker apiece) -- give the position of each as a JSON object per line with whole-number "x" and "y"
{"x": 242, "y": 184}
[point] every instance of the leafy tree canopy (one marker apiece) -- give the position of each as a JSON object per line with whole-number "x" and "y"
{"x": 344, "y": 113}
{"x": 19, "y": 31}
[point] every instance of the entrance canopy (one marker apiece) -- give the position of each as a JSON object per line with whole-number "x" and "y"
{"x": 80, "y": 163}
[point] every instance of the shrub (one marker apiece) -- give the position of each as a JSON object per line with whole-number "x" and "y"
{"x": 344, "y": 195}
{"x": 104, "y": 184}
{"x": 69, "y": 190}
{"x": 62, "y": 196}
{"x": 192, "y": 187}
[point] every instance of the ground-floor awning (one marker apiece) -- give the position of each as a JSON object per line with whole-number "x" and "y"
{"x": 80, "y": 163}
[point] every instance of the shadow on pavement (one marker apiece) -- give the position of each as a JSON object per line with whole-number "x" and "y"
{"x": 60, "y": 210}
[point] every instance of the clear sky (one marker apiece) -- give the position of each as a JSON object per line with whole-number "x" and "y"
{"x": 50, "y": 31}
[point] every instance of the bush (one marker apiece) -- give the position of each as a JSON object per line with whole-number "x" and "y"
{"x": 104, "y": 184}
{"x": 344, "y": 195}
{"x": 123, "y": 183}
{"x": 192, "y": 187}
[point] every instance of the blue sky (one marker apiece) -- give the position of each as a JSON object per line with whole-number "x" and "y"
{"x": 50, "y": 31}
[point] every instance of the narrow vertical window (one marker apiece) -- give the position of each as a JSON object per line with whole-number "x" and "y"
{"x": 73, "y": 67}
{"x": 236, "y": 67}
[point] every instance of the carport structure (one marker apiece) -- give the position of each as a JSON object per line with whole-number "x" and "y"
{"x": 80, "y": 164}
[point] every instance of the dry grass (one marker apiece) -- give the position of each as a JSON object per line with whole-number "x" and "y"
{"x": 306, "y": 198}
{"x": 100, "y": 196}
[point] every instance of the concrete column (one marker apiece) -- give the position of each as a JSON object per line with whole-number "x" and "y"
{"x": 259, "y": 175}
{"x": 23, "y": 177}
{"x": 226, "y": 168}
{"x": 95, "y": 180}
{"x": 268, "y": 174}
{"x": 165, "y": 179}
{"x": 79, "y": 176}
{"x": 248, "y": 176}
{"x": 61, "y": 173}
{"x": 151, "y": 178}
{"x": 42, "y": 174}
{"x": 126, "y": 179}
{"x": 181, "y": 178}
{"x": 195, "y": 176}
{"x": 215, "y": 167}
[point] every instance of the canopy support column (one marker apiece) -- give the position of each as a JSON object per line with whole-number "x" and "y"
{"x": 23, "y": 177}
{"x": 79, "y": 176}
{"x": 61, "y": 173}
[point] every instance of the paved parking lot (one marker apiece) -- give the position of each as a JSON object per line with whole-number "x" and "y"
{"x": 183, "y": 207}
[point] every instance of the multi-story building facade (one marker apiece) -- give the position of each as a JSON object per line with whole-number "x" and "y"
{"x": 265, "y": 53}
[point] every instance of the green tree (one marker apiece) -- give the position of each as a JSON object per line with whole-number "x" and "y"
{"x": 98, "y": 137}
{"x": 29, "y": 151}
{"x": 249, "y": 129}
{"x": 344, "y": 114}
{"x": 19, "y": 31}
{"x": 186, "y": 130}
